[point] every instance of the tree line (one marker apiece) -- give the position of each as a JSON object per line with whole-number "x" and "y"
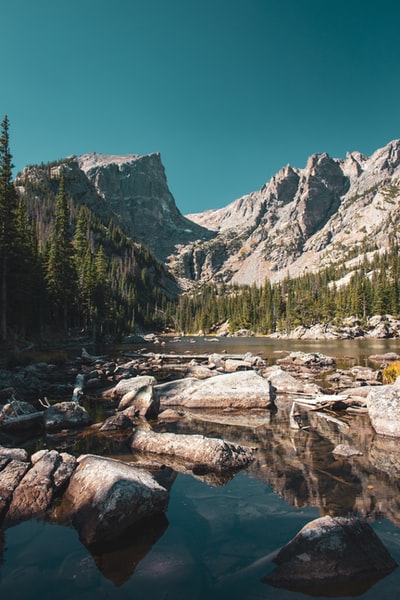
{"x": 323, "y": 297}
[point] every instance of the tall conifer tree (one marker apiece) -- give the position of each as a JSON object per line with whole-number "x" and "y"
{"x": 61, "y": 275}
{"x": 8, "y": 203}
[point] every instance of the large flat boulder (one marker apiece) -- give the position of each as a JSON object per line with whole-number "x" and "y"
{"x": 106, "y": 496}
{"x": 240, "y": 390}
{"x": 383, "y": 405}
{"x": 209, "y": 454}
{"x": 332, "y": 556}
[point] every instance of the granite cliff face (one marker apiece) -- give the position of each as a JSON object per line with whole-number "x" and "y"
{"x": 130, "y": 190}
{"x": 135, "y": 189}
{"x": 302, "y": 219}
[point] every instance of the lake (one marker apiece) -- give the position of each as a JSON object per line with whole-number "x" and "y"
{"x": 217, "y": 531}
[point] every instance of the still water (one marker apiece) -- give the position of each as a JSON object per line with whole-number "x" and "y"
{"x": 218, "y": 532}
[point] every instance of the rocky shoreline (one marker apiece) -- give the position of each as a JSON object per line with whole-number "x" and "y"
{"x": 305, "y": 389}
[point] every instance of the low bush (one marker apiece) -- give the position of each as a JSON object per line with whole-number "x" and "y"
{"x": 391, "y": 372}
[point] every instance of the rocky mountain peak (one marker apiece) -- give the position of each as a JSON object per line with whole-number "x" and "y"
{"x": 135, "y": 188}
{"x": 303, "y": 219}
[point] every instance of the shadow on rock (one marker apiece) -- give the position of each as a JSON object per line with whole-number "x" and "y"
{"x": 332, "y": 556}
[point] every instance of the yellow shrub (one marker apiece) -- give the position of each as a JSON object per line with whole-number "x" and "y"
{"x": 391, "y": 372}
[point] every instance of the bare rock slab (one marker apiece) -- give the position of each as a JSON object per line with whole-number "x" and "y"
{"x": 333, "y": 556}
{"x": 240, "y": 390}
{"x": 106, "y": 496}
{"x": 211, "y": 454}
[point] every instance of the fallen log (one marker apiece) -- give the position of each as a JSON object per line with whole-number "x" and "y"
{"x": 19, "y": 422}
{"x": 189, "y": 357}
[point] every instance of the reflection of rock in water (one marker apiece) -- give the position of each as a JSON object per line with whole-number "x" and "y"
{"x": 332, "y": 557}
{"x": 118, "y": 560}
{"x": 300, "y": 464}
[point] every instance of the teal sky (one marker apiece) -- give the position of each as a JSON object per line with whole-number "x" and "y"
{"x": 228, "y": 91}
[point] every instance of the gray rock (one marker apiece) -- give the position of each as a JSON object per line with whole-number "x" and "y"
{"x": 212, "y": 454}
{"x": 133, "y": 384}
{"x": 383, "y": 405}
{"x": 65, "y": 415}
{"x": 106, "y": 496}
{"x": 10, "y": 475}
{"x": 346, "y": 450}
{"x": 241, "y": 390}
{"x": 284, "y": 383}
{"x": 14, "y": 454}
{"x": 333, "y": 556}
{"x": 117, "y": 422}
{"x": 34, "y": 494}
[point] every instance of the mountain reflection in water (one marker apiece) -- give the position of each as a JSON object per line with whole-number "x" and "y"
{"x": 220, "y": 533}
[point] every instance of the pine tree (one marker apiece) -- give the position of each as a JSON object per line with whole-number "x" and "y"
{"x": 61, "y": 274}
{"x": 8, "y": 204}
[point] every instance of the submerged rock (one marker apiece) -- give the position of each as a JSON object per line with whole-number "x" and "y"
{"x": 334, "y": 556}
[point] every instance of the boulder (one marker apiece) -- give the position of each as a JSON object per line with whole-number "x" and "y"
{"x": 211, "y": 454}
{"x": 241, "y": 390}
{"x": 334, "y": 556}
{"x": 200, "y": 371}
{"x": 383, "y": 405}
{"x": 133, "y": 384}
{"x": 117, "y": 422}
{"x": 106, "y": 496}
{"x": 65, "y": 415}
{"x": 34, "y": 494}
{"x": 13, "y": 454}
{"x": 143, "y": 400}
{"x": 283, "y": 383}
{"x": 346, "y": 451}
{"x": 11, "y": 472}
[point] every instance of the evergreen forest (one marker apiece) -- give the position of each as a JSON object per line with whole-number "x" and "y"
{"x": 66, "y": 269}
{"x": 69, "y": 272}
{"x": 372, "y": 289}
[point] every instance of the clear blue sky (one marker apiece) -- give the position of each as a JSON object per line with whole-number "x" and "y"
{"x": 228, "y": 91}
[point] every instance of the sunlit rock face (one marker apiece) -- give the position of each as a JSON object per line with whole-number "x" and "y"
{"x": 300, "y": 220}
{"x": 135, "y": 188}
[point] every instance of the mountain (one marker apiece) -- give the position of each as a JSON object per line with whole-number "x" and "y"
{"x": 300, "y": 220}
{"x": 135, "y": 188}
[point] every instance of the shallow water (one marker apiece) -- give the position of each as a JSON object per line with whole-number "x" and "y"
{"x": 219, "y": 532}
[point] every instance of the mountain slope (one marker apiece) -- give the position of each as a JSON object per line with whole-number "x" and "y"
{"x": 302, "y": 219}
{"x": 135, "y": 188}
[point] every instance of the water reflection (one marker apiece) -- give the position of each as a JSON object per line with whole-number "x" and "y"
{"x": 218, "y": 528}
{"x": 117, "y": 560}
{"x": 301, "y": 467}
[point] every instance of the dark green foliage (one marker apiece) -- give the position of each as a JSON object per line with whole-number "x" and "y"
{"x": 373, "y": 288}
{"x": 66, "y": 269}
